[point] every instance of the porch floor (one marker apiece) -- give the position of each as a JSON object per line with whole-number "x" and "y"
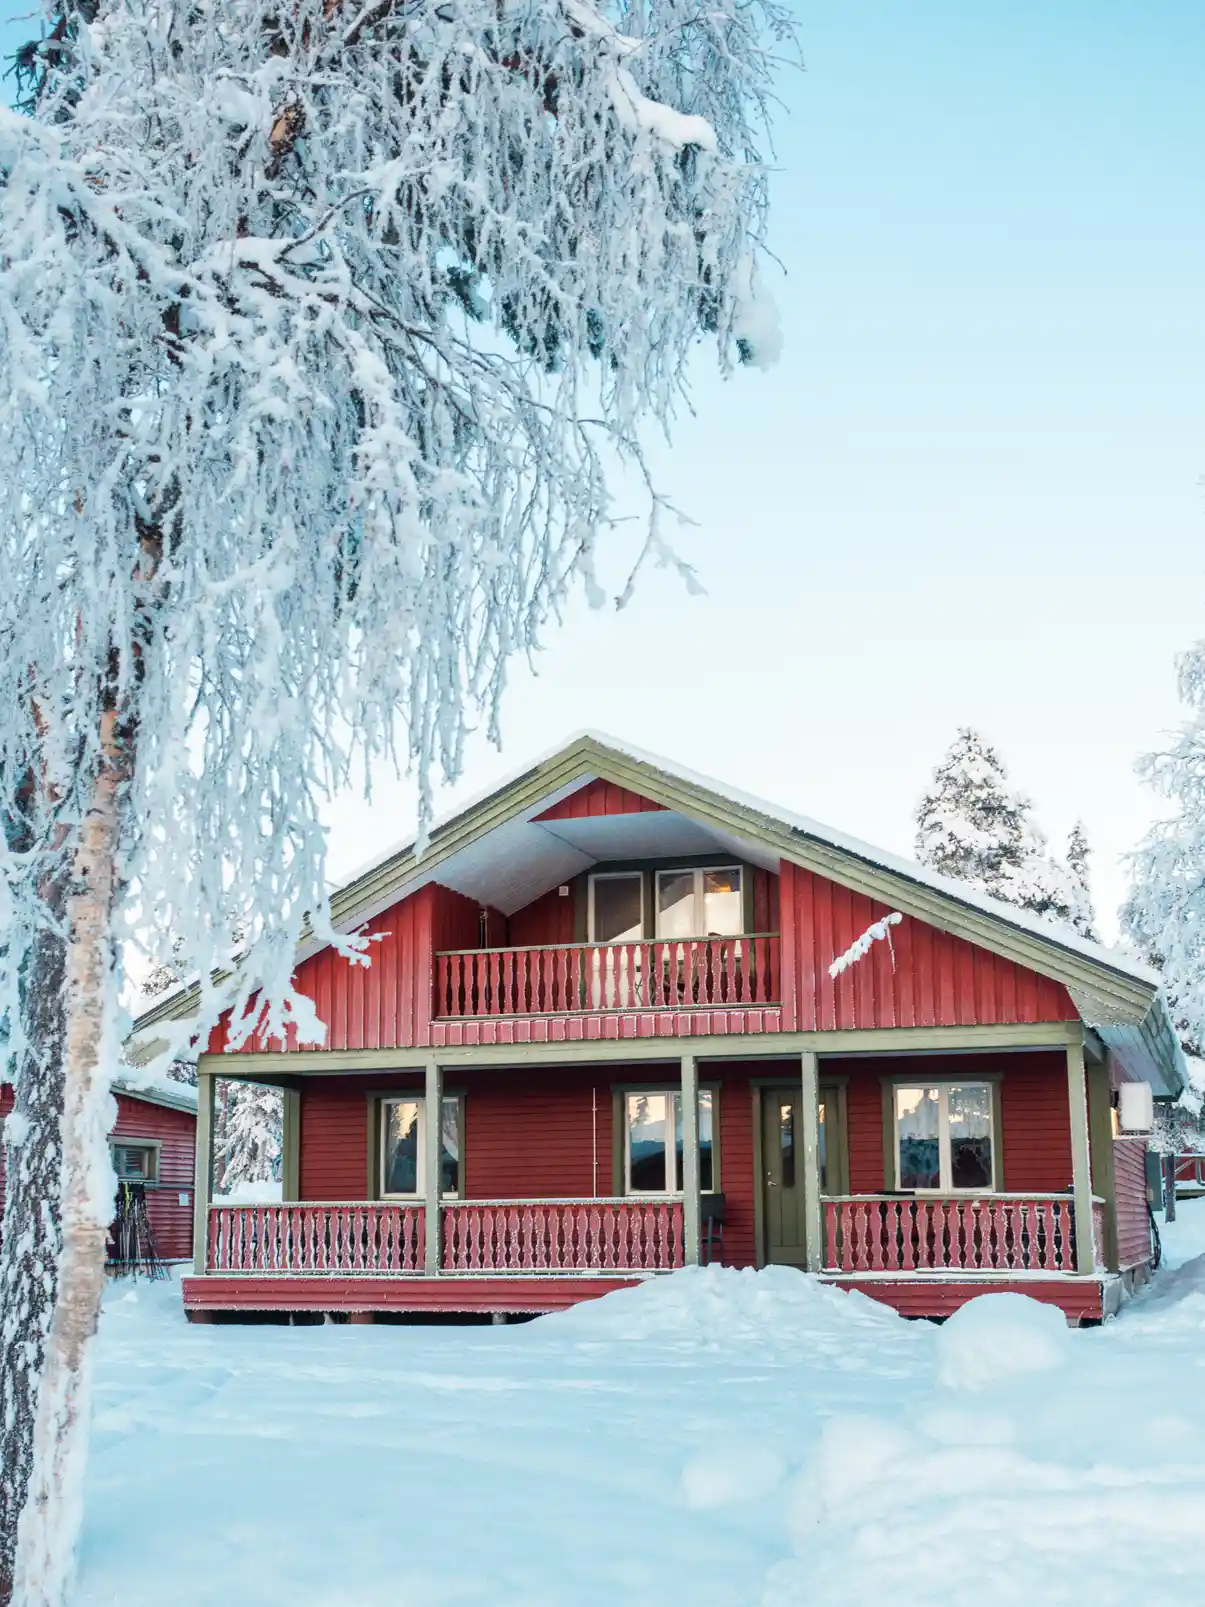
{"x": 1087, "y": 1299}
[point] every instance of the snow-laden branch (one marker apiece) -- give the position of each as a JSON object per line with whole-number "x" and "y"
{"x": 862, "y": 945}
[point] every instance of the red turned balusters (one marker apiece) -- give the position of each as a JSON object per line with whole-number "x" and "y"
{"x": 996, "y": 1235}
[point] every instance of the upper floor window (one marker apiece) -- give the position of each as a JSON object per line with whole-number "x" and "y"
{"x": 617, "y": 907}
{"x": 944, "y": 1137}
{"x": 700, "y": 902}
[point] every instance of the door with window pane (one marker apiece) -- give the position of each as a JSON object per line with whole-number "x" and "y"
{"x": 783, "y": 1180}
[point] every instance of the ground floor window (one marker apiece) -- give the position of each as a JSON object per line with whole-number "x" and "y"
{"x": 944, "y": 1137}
{"x": 403, "y": 1122}
{"x": 653, "y": 1142}
{"x": 135, "y": 1162}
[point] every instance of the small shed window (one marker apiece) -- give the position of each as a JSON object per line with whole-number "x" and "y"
{"x": 136, "y": 1163}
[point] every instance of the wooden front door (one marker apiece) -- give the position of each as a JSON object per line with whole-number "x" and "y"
{"x": 783, "y": 1180}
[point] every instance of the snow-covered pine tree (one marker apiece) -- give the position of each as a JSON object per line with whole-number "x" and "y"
{"x": 322, "y": 329}
{"x": 1164, "y": 912}
{"x": 1083, "y": 909}
{"x": 250, "y": 1145}
{"x": 972, "y": 826}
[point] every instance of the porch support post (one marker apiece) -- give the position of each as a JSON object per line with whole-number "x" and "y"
{"x": 690, "y": 1159}
{"x": 432, "y": 1154}
{"x": 810, "y": 1106}
{"x": 290, "y": 1161}
{"x": 1081, "y": 1160}
{"x": 202, "y": 1183}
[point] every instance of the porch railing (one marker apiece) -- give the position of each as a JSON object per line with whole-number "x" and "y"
{"x": 573, "y": 978}
{"x": 999, "y": 1233}
{"x": 557, "y": 1236}
{"x": 499, "y": 1237}
{"x": 360, "y": 1239}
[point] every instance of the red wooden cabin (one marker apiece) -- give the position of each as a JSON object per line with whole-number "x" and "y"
{"x": 152, "y": 1142}
{"x": 613, "y": 981}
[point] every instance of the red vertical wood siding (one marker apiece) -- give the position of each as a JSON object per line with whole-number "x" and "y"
{"x": 922, "y": 977}
{"x": 599, "y": 798}
{"x": 386, "y": 1004}
{"x": 1133, "y": 1220}
{"x": 547, "y": 919}
{"x": 1035, "y": 1116}
{"x": 332, "y": 1145}
{"x": 176, "y": 1131}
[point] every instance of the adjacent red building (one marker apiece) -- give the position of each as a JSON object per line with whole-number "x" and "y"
{"x": 152, "y": 1142}
{"x": 662, "y": 1023}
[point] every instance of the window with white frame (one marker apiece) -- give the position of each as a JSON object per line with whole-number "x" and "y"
{"x": 944, "y": 1139}
{"x": 135, "y": 1162}
{"x": 402, "y": 1159}
{"x": 700, "y": 902}
{"x": 653, "y": 1142}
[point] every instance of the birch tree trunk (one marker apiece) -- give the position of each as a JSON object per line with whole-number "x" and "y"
{"x": 29, "y": 1249}
{"x": 49, "y": 1525}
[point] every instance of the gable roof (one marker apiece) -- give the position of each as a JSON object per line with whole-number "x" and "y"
{"x": 1109, "y": 988}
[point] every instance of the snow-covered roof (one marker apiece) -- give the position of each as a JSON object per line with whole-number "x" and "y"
{"x": 502, "y": 849}
{"x": 1040, "y": 926}
{"x": 156, "y": 1089}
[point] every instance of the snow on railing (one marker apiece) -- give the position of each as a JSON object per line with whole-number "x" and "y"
{"x": 574, "y": 978}
{"x": 993, "y": 1234}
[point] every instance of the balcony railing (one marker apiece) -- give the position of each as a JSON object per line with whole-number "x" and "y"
{"x": 498, "y": 1237}
{"x": 999, "y": 1233}
{"x": 553, "y": 1236}
{"x": 356, "y": 1238}
{"x": 575, "y": 978}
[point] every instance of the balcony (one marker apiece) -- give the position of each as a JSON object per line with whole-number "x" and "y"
{"x": 578, "y": 979}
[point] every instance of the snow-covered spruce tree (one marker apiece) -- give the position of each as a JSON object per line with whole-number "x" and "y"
{"x": 1164, "y": 913}
{"x": 251, "y": 1142}
{"x": 1083, "y": 909}
{"x": 321, "y": 328}
{"x": 973, "y": 827}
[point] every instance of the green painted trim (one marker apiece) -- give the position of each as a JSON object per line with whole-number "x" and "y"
{"x": 373, "y": 1159}
{"x": 432, "y": 1156}
{"x": 999, "y": 1174}
{"x": 1081, "y": 1161}
{"x": 809, "y": 1111}
{"x": 758, "y": 1090}
{"x": 689, "y": 1181}
{"x": 290, "y": 1146}
{"x": 611, "y": 1051}
{"x": 1100, "y": 1144}
{"x": 617, "y": 1132}
{"x": 203, "y": 1172}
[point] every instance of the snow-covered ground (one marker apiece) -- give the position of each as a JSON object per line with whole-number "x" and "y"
{"x": 717, "y": 1438}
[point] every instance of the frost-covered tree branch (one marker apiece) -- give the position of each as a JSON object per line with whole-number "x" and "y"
{"x": 323, "y": 331}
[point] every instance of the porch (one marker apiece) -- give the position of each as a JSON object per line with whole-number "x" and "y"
{"x": 731, "y": 1153}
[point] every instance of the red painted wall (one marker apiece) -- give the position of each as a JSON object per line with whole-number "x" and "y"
{"x": 1133, "y": 1221}
{"x": 177, "y": 1131}
{"x": 599, "y": 798}
{"x": 386, "y": 1004}
{"x": 548, "y": 919}
{"x": 922, "y": 978}
{"x": 1036, "y": 1137}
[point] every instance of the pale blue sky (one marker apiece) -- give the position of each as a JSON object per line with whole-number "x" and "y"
{"x": 971, "y": 490}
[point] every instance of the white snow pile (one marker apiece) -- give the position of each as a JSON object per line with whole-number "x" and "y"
{"x": 252, "y": 1191}
{"x": 734, "y": 1439}
{"x": 1000, "y": 1336}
